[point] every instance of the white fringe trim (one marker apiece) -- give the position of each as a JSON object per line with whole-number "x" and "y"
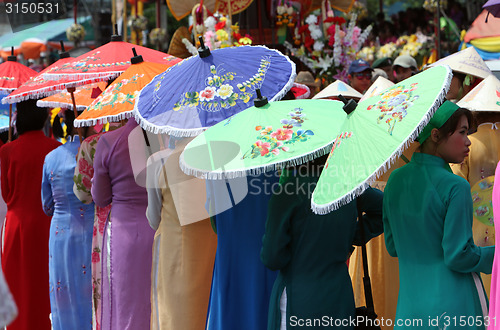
{"x": 4, "y": 129}
{"x": 6, "y": 91}
{"x": 103, "y": 119}
{"x": 44, "y": 92}
{"x": 52, "y": 104}
{"x": 254, "y": 170}
{"x": 180, "y": 132}
{"x": 351, "y": 195}
{"x": 87, "y": 78}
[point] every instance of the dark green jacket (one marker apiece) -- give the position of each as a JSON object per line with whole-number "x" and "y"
{"x": 310, "y": 251}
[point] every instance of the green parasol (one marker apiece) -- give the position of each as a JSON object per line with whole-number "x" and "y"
{"x": 375, "y": 134}
{"x": 264, "y": 137}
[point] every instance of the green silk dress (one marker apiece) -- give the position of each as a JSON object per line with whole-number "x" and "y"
{"x": 310, "y": 252}
{"x": 428, "y": 226}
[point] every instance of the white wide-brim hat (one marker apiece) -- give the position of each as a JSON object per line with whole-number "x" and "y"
{"x": 484, "y": 97}
{"x": 466, "y": 61}
{"x": 338, "y": 88}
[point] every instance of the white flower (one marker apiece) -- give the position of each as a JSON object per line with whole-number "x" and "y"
{"x": 316, "y": 34}
{"x": 311, "y": 19}
{"x": 225, "y": 91}
{"x": 318, "y": 46}
{"x": 210, "y": 23}
{"x": 323, "y": 63}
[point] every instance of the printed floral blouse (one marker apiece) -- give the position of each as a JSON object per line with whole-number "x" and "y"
{"x": 84, "y": 172}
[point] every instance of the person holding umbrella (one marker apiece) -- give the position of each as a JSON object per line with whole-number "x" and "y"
{"x": 310, "y": 250}
{"x": 428, "y": 226}
{"x": 26, "y": 228}
{"x": 128, "y": 238}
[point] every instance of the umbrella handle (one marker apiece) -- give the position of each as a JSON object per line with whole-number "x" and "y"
{"x": 10, "y": 120}
{"x": 71, "y": 90}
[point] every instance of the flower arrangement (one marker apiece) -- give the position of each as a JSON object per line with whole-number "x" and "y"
{"x": 285, "y": 15}
{"x": 157, "y": 35}
{"x": 329, "y": 44}
{"x": 75, "y": 33}
{"x": 221, "y": 33}
{"x": 367, "y": 53}
{"x": 416, "y": 45}
{"x": 138, "y": 23}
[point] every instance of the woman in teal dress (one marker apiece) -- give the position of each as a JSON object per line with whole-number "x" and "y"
{"x": 310, "y": 252}
{"x": 428, "y": 226}
{"x": 70, "y": 276}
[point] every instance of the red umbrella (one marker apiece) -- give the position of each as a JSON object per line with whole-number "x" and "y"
{"x": 38, "y": 87}
{"x": 107, "y": 61}
{"x": 13, "y": 75}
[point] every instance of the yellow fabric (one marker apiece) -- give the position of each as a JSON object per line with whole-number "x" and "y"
{"x": 183, "y": 260}
{"x": 488, "y": 44}
{"x": 481, "y": 163}
{"x": 384, "y": 269}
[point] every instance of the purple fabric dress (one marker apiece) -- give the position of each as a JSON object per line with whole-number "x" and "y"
{"x": 494, "y": 311}
{"x": 128, "y": 238}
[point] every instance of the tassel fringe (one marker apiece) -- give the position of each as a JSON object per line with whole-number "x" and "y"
{"x": 256, "y": 170}
{"x": 102, "y": 120}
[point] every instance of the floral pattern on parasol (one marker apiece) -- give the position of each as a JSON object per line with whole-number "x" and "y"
{"x": 270, "y": 142}
{"x": 394, "y": 104}
{"x": 220, "y": 94}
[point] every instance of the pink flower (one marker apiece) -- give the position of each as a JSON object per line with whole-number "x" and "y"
{"x": 95, "y": 257}
{"x": 86, "y": 182}
{"x": 275, "y": 152}
{"x": 331, "y": 30}
{"x": 262, "y": 147}
{"x": 95, "y": 231}
{"x": 282, "y": 134}
{"x": 285, "y": 148}
{"x": 85, "y": 168}
{"x": 101, "y": 226}
{"x": 207, "y": 94}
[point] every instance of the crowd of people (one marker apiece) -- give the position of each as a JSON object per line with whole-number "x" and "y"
{"x": 96, "y": 244}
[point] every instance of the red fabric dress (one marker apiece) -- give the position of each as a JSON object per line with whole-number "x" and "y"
{"x": 26, "y": 238}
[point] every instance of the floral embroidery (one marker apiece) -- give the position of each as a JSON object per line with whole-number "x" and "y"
{"x": 83, "y": 174}
{"x": 219, "y": 92}
{"x": 337, "y": 143}
{"x": 394, "y": 104}
{"x": 270, "y": 142}
{"x": 88, "y": 63}
{"x": 114, "y": 97}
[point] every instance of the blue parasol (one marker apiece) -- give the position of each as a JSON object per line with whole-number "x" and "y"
{"x": 205, "y": 89}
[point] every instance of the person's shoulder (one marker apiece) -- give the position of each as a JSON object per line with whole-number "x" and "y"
{"x": 456, "y": 180}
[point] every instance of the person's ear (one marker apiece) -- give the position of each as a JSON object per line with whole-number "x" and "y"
{"x": 435, "y": 135}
